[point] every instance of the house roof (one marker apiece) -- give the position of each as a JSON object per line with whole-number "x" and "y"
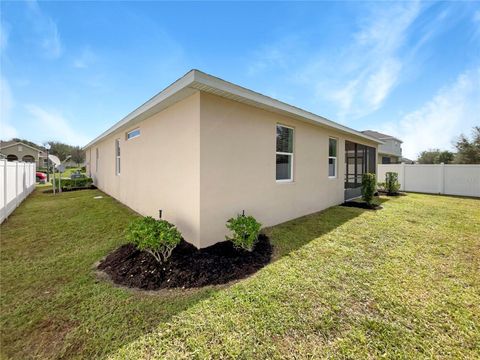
{"x": 7, "y": 144}
{"x": 196, "y": 80}
{"x": 379, "y": 135}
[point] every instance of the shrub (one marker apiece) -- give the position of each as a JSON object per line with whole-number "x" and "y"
{"x": 84, "y": 182}
{"x": 245, "y": 231}
{"x": 391, "y": 183}
{"x": 368, "y": 187}
{"x": 157, "y": 237}
{"x": 381, "y": 186}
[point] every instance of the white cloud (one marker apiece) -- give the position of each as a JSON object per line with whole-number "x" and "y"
{"x": 46, "y": 30}
{"x": 7, "y": 131}
{"x": 3, "y": 36}
{"x": 476, "y": 16}
{"x": 436, "y": 124}
{"x": 53, "y": 126}
{"x": 374, "y": 61}
{"x": 86, "y": 58}
{"x": 354, "y": 80}
{"x": 273, "y": 56}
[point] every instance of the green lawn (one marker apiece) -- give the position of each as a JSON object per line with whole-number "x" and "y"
{"x": 403, "y": 282}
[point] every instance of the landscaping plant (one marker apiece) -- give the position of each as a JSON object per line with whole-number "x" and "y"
{"x": 381, "y": 186}
{"x": 245, "y": 231}
{"x": 79, "y": 183}
{"x": 391, "y": 183}
{"x": 368, "y": 187}
{"x": 157, "y": 237}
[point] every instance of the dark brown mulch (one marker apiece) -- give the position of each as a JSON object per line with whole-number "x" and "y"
{"x": 50, "y": 191}
{"x": 361, "y": 205}
{"x": 188, "y": 267}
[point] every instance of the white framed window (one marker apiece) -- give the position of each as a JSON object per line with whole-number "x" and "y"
{"x": 133, "y": 134}
{"x": 96, "y": 159}
{"x": 117, "y": 157}
{"x": 332, "y": 158}
{"x": 284, "y": 154}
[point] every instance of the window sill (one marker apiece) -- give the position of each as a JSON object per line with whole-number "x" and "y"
{"x": 332, "y": 177}
{"x": 284, "y": 181}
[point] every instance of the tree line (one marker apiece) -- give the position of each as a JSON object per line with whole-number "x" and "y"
{"x": 467, "y": 151}
{"x": 59, "y": 149}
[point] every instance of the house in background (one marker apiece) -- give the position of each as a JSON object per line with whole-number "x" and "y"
{"x": 204, "y": 149}
{"x": 390, "y": 152}
{"x": 407, "y": 161}
{"x": 19, "y": 151}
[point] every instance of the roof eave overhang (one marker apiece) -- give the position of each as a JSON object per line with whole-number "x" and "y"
{"x": 196, "y": 80}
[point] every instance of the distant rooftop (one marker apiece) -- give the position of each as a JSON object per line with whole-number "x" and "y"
{"x": 379, "y": 135}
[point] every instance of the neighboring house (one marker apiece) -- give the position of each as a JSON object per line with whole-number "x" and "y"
{"x": 204, "y": 149}
{"x": 407, "y": 161}
{"x": 390, "y": 152}
{"x": 19, "y": 151}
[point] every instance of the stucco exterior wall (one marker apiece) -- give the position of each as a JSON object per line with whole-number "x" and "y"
{"x": 160, "y": 169}
{"x": 206, "y": 158}
{"x": 238, "y": 167}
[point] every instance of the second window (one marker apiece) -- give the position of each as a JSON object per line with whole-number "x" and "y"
{"x": 284, "y": 153}
{"x": 332, "y": 158}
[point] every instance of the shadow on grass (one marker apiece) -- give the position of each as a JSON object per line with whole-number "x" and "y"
{"x": 73, "y": 312}
{"x": 53, "y": 305}
{"x": 292, "y": 235}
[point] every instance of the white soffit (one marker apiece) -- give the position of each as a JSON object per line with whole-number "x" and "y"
{"x": 196, "y": 80}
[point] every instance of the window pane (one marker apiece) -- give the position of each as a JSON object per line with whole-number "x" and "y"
{"x": 331, "y": 167}
{"x": 284, "y": 139}
{"x": 371, "y": 160}
{"x": 133, "y": 133}
{"x": 284, "y": 167}
{"x": 332, "y": 148}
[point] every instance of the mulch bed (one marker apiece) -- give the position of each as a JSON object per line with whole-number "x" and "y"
{"x": 188, "y": 267}
{"x": 50, "y": 191}
{"x": 361, "y": 205}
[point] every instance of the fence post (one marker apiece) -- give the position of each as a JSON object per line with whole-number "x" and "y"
{"x": 5, "y": 175}
{"x": 16, "y": 183}
{"x": 403, "y": 185}
{"x": 442, "y": 178}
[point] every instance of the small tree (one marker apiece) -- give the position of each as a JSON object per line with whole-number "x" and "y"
{"x": 245, "y": 231}
{"x": 391, "y": 183}
{"x": 468, "y": 151}
{"x": 157, "y": 237}
{"x": 369, "y": 182}
{"x": 436, "y": 156}
{"x": 78, "y": 155}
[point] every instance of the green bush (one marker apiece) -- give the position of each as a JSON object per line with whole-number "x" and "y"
{"x": 381, "y": 186}
{"x": 157, "y": 237}
{"x": 245, "y": 231}
{"x": 369, "y": 182}
{"x": 392, "y": 185}
{"x": 68, "y": 184}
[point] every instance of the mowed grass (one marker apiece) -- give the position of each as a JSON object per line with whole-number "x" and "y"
{"x": 402, "y": 282}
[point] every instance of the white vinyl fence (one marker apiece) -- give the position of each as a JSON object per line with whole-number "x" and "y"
{"x": 451, "y": 179}
{"x": 17, "y": 181}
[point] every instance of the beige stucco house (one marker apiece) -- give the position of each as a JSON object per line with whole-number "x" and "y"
{"x": 390, "y": 152}
{"x": 204, "y": 149}
{"x": 19, "y": 151}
